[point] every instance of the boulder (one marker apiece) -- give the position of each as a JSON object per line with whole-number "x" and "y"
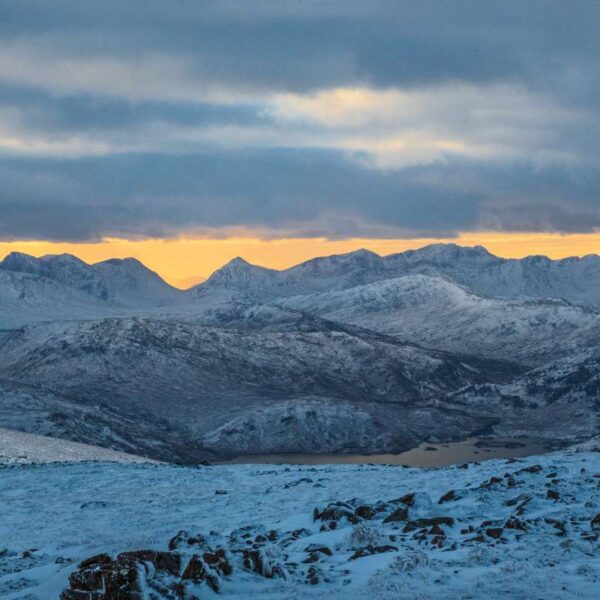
{"x": 312, "y": 548}
{"x": 369, "y": 550}
{"x": 426, "y": 523}
{"x": 448, "y": 497}
{"x": 400, "y": 514}
{"x": 494, "y": 532}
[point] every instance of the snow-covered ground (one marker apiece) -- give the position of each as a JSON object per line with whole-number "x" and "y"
{"x": 521, "y": 529}
{"x": 17, "y": 447}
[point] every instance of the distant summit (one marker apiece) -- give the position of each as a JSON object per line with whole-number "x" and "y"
{"x": 575, "y": 280}
{"x": 64, "y": 286}
{"x": 121, "y": 282}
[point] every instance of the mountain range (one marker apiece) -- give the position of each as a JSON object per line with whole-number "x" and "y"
{"x": 348, "y": 353}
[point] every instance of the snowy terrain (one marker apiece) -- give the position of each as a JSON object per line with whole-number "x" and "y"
{"x": 124, "y": 282}
{"x": 535, "y": 277}
{"x": 501, "y": 529}
{"x": 438, "y": 313}
{"x": 17, "y": 447}
{"x": 323, "y": 389}
{"x": 350, "y": 353}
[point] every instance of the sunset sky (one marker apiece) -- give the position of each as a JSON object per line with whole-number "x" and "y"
{"x": 188, "y": 133}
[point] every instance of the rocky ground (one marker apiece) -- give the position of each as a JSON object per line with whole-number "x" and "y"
{"x": 526, "y": 528}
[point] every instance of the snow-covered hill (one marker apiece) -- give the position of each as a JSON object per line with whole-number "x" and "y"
{"x": 17, "y": 447}
{"x": 36, "y": 409}
{"x": 220, "y": 383}
{"x": 501, "y": 529}
{"x": 561, "y": 398}
{"x": 120, "y": 282}
{"x": 26, "y": 298}
{"x": 438, "y": 313}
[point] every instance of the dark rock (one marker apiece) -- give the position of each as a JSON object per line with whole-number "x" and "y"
{"x": 312, "y": 576}
{"x": 559, "y": 525}
{"x": 595, "y": 523}
{"x": 162, "y": 561}
{"x": 99, "y": 559}
{"x": 195, "y": 570}
{"x": 492, "y": 481}
{"x": 198, "y": 571}
{"x": 313, "y": 557}
{"x": 426, "y": 523}
{"x": 365, "y": 512}
{"x": 400, "y": 514}
{"x": 370, "y": 549}
{"x": 552, "y": 495}
{"x": 88, "y": 579}
{"x": 514, "y": 523}
{"x": 448, "y": 497}
{"x": 494, "y": 532}
{"x": 184, "y": 540}
{"x": 521, "y": 500}
{"x": 312, "y": 548}
{"x": 255, "y": 560}
{"x": 407, "y": 500}
{"x": 334, "y": 512}
{"x": 218, "y": 560}
{"x": 532, "y": 469}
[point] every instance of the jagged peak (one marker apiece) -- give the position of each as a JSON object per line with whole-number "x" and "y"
{"x": 237, "y": 272}
{"x": 238, "y": 261}
{"x": 241, "y": 265}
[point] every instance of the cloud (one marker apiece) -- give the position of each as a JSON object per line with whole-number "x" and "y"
{"x": 285, "y": 192}
{"x": 334, "y": 118}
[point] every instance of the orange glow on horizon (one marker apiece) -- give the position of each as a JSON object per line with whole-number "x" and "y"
{"x": 184, "y": 262}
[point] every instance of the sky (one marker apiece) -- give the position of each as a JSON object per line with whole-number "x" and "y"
{"x": 187, "y": 132}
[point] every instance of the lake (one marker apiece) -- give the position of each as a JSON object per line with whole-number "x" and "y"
{"x": 425, "y": 455}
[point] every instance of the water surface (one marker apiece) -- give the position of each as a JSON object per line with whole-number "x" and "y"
{"x": 425, "y": 455}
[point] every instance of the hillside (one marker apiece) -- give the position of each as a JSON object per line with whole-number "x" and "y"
{"x": 220, "y": 383}
{"x": 438, "y": 313}
{"x": 17, "y": 447}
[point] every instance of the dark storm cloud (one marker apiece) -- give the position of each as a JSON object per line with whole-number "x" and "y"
{"x": 166, "y": 112}
{"x": 300, "y": 45}
{"x": 160, "y": 195}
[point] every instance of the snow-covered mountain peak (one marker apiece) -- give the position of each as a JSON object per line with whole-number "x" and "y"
{"x": 336, "y": 264}
{"x": 447, "y": 253}
{"x": 121, "y": 282}
{"x": 45, "y": 265}
{"x": 239, "y": 274}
